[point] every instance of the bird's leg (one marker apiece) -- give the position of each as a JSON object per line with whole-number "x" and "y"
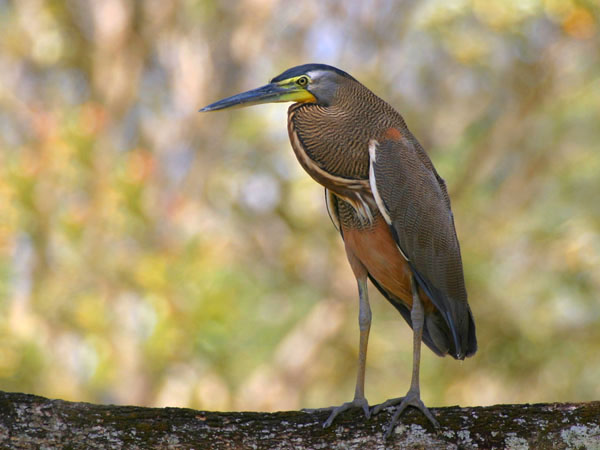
{"x": 413, "y": 396}
{"x": 364, "y": 323}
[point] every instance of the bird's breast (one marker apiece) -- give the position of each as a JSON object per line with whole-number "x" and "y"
{"x": 333, "y": 139}
{"x": 332, "y": 145}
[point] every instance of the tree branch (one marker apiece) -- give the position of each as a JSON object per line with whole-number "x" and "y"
{"x": 28, "y": 421}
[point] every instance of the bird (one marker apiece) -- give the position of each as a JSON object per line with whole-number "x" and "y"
{"x": 391, "y": 208}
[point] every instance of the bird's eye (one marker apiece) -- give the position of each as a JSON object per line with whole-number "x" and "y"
{"x": 302, "y": 81}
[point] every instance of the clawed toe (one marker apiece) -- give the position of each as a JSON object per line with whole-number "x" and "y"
{"x": 356, "y": 403}
{"x": 412, "y": 399}
{"x": 391, "y": 402}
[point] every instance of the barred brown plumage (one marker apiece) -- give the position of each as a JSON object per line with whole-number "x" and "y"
{"x": 390, "y": 206}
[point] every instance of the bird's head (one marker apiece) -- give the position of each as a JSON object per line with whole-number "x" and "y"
{"x": 308, "y": 83}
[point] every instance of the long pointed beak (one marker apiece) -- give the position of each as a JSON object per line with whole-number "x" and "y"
{"x": 270, "y": 93}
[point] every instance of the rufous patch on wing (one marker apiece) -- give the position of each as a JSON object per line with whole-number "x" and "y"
{"x": 393, "y": 134}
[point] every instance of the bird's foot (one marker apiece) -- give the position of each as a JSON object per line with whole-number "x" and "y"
{"x": 413, "y": 399}
{"x": 391, "y": 402}
{"x": 336, "y": 410}
{"x": 356, "y": 403}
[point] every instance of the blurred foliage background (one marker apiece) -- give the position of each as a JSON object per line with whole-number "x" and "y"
{"x": 153, "y": 255}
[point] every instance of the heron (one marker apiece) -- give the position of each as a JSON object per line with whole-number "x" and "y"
{"x": 391, "y": 208}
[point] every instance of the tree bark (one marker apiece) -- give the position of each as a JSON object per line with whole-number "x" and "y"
{"x": 28, "y": 421}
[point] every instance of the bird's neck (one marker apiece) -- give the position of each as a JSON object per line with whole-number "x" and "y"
{"x": 336, "y": 137}
{"x": 331, "y": 138}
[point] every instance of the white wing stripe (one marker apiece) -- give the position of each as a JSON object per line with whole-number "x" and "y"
{"x": 373, "y": 144}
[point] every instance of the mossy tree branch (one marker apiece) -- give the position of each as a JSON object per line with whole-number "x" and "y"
{"x": 28, "y": 421}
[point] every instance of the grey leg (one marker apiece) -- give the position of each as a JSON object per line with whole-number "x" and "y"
{"x": 364, "y": 323}
{"x": 413, "y": 396}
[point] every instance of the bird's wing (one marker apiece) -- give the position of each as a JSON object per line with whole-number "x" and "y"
{"x": 414, "y": 201}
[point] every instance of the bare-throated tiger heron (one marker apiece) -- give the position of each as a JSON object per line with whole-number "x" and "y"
{"x": 388, "y": 203}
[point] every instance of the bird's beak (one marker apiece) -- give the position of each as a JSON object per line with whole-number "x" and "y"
{"x": 270, "y": 93}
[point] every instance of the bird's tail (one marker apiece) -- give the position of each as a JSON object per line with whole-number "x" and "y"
{"x": 437, "y": 335}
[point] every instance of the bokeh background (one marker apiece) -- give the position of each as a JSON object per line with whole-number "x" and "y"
{"x": 153, "y": 255}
